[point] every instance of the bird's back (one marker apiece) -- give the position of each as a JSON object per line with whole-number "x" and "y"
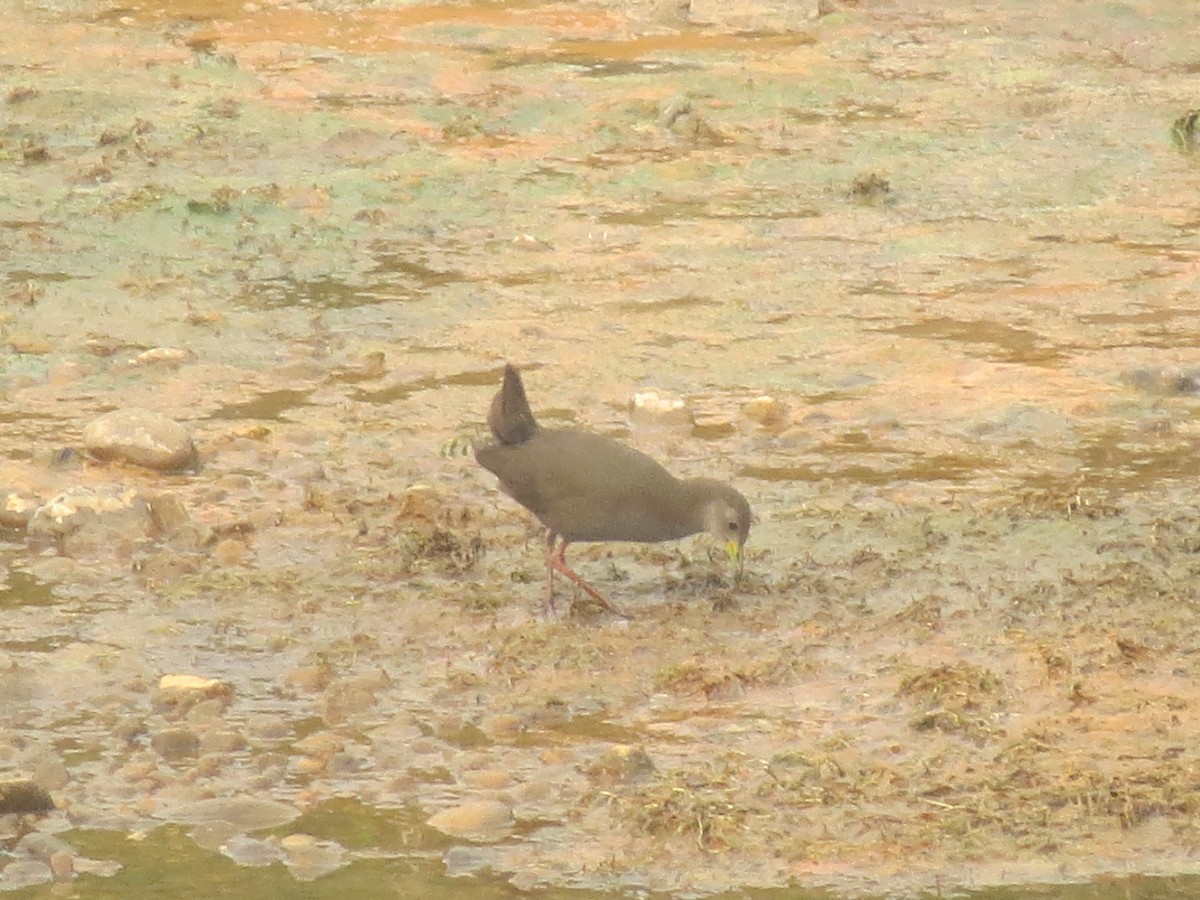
{"x": 588, "y": 487}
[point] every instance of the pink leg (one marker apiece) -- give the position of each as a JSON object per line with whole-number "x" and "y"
{"x": 556, "y": 562}
{"x": 551, "y": 537}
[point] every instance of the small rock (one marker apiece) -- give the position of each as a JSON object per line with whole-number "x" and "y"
{"x": 141, "y": 437}
{"x": 344, "y": 762}
{"x": 252, "y": 852}
{"x": 348, "y": 697}
{"x": 309, "y": 678}
{"x": 23, "y": 873}
{"x": 460, "y": 860}
{"x": 38, "y": 845}
{"x": 222, "y": 742}
{"x": 620, "y": 764}
{"x": 421, "y": 501}
{"x": 308, "y": 859}
{"x": 166, "y": 357}
{"x": 206, "y": 712}
{"x": 309, "y": 766}
{"x": 649, "y": 407}
{"x": 320, "y": 744}
{"x": 175, "y": 743}
{"x": 62, "y": 865}
{"x": 102, "y": 868}
{"x": 180, "y": 693}
{"x": 229, "y": 552}
{"x": 50, "y": 772}
{"x": 33, "y": 344}
{"x": 502, "y": 726}
{"x": 482, "y": 821}
{"x": 16, "y": 511}
{"x": 102, "y": 516}
{"x": 169, "y": 514}
{"x": 767, "y": 412}
{"x": 213, "y": 835}
{"x": 269, "y": 728}
{"x": 1167, "y": 382}
{"x": 207, "y": 766}
{"x": 247, "y": 813}
{"x": 129, "y": 728}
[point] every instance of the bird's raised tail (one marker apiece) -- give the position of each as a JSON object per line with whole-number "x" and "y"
{"x": 510, "y": 417}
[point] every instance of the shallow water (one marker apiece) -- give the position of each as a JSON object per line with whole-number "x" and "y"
{"x": 954, "y": 247}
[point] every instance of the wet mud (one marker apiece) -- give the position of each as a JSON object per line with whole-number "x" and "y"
{"x": 924, "y": 279}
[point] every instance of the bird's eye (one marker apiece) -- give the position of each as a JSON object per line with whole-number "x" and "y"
{"x": 732, "y": 527}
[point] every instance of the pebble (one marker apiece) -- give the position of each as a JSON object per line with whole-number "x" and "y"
{"x": 557, "y": 756}
{"x": 620, "y": 764}
{"x": 309, "y": 678}
{"x": 137, "y": 770}
{"x": 33, "y": 344}
{"x": 308, "y": 859}
{"x": 420, "y": 501}
{"x": 1165, "y": 382}
{"x": 129, "y": 728}
{"x": 460, "y": 861}
{"x": 39, "y": 845}
{"x": 181, "y": 692}
{"x": 482, "y": 821}
{"x": 768, "y": 412}
{"x": 250, "y": 851}
{"x": 649, "y": 407}
{"x": 229, "y": 552}
{"x": 23, "y": 873}
{"x": 51, "y": 773}
{"x": 222, "y": 742}
{"x": 502, "y": 725}
{"x": 213, "y": 835}
{"x": 208, "y": 766}
{"x": 62, "y": 865}
{"x": 175, "y": 743}
{"x": 347, "y": 697}
{"x": 310, "y": 765}
{"x": 206, "y": 712}
{"x": 321, "y": 744}
{"x": 100, "y": 515}
{"x": 247, "y": 813}
{"x": 141, "y": 437}
{"x": 168, "y": 357}
{"x": 16, "y": 510}
{"x": 170, "y": 515}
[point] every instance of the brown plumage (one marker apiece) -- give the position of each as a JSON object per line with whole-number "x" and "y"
{"x": 588, "y": 487}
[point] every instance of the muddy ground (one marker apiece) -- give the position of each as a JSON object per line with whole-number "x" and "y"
{"x": 954, "y": 245}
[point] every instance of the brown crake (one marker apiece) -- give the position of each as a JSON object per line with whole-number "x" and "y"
{"x": 588, "y": 487}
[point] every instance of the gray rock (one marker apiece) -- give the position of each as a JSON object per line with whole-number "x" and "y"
{"x": 482, "y": 821}
{"x": 141, "y": 437}
{"x": 106, "y": 514}
{"x": 252, "y": 852}
{"x": 23, "y": 873}
{"x": 16, "y": 509}
{"x": 308, "y": 858}
{"x": 175, "y": 743}
{"x": 37, "y": 845}
{"x": 248, "y": 813}
{"x": 223, "y": 742}
{"x": 620, "y": 764}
